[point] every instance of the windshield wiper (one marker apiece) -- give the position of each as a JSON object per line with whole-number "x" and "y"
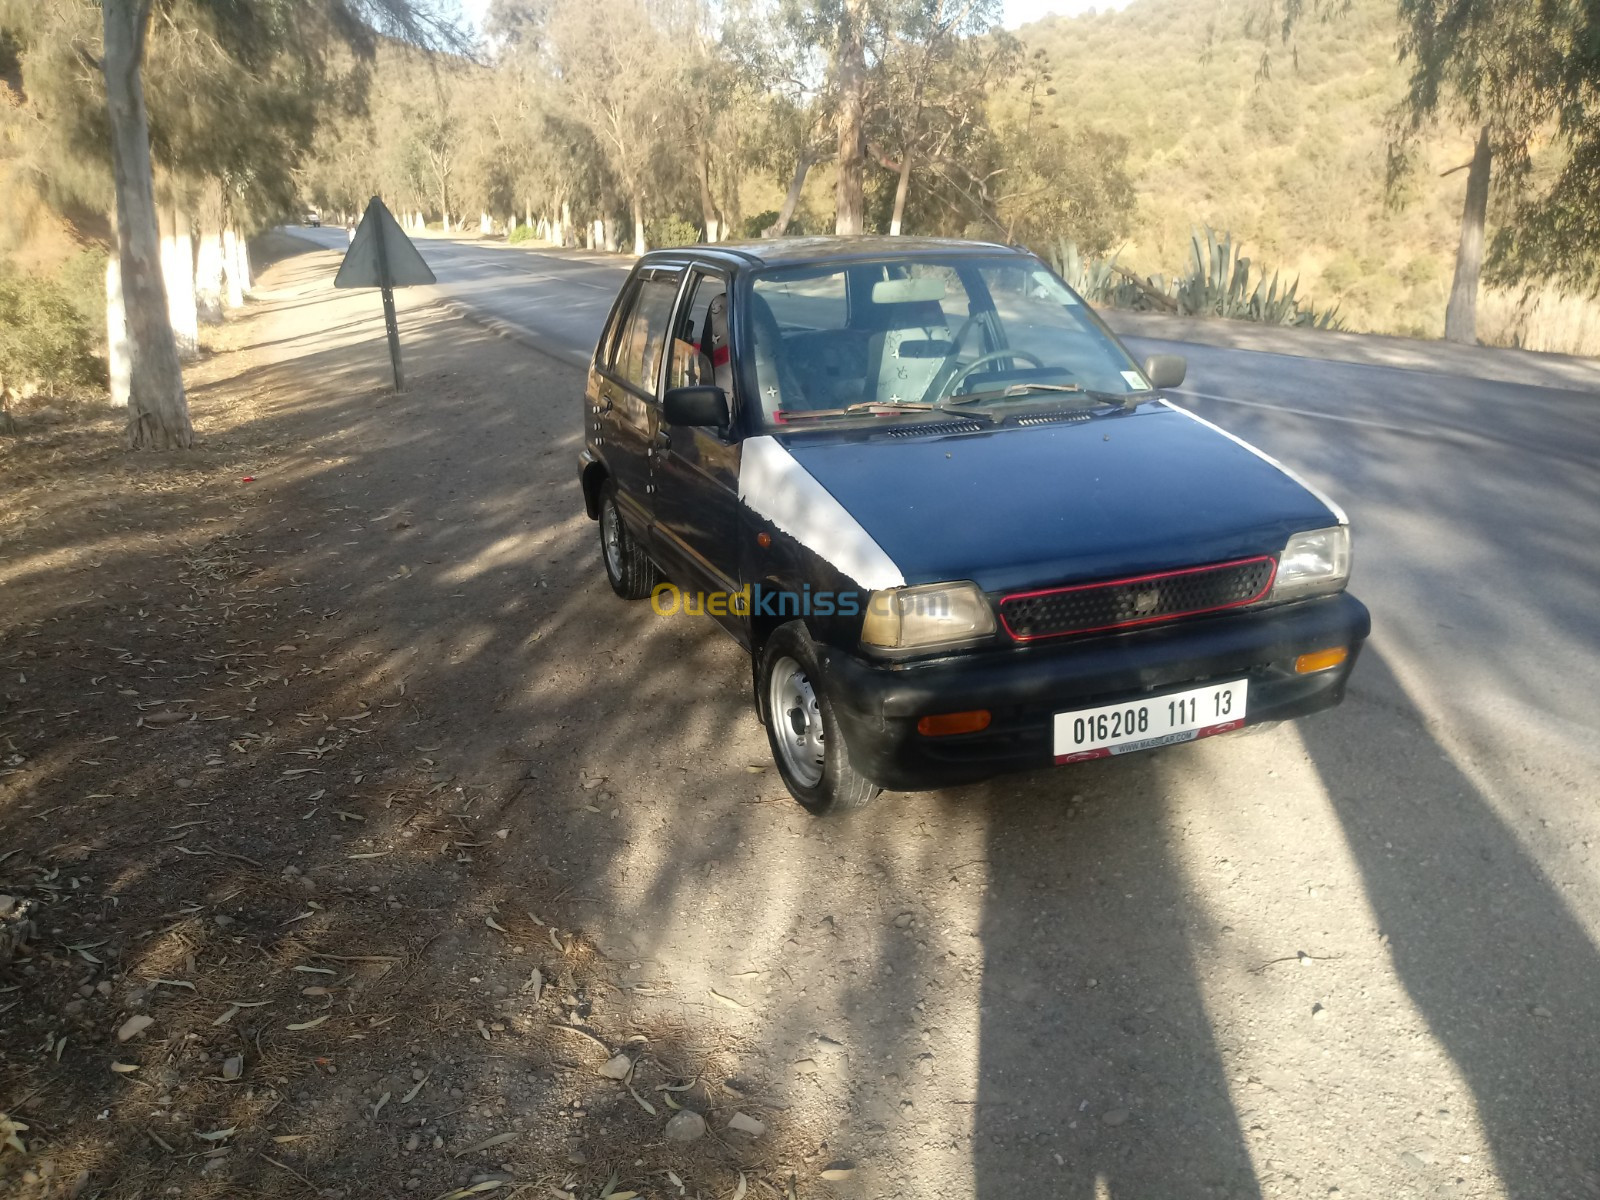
{"x": 1117, "y": 399}
{"x": 1015, "y": 389}
{"x": 873, "y": 407}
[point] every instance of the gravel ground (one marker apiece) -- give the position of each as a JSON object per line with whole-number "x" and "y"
{"x": 1313, "y": 960}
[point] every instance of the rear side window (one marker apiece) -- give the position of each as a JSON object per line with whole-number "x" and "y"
{"x": 642, "y": 333}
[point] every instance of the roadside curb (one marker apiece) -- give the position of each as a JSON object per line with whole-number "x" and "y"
{"x": 511, "y": 331}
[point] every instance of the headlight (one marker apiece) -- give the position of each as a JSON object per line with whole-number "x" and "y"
{"x": 1313, "y": 564}
{"x": 925, "y": 618}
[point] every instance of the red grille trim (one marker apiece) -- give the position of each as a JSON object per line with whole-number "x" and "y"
{"x": 1272, "y": 576}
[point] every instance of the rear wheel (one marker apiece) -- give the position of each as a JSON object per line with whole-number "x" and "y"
{"x": 807, "y": 743}
{"x": 628, "y": 568}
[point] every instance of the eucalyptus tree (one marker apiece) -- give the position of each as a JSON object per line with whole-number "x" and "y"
{"x": 618, "y": 84}
{"x": 937, "y": 76}
{"x": 205, "y": 90}
{"x": 1519, "y": 74}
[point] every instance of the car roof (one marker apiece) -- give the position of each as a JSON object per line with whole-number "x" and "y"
{"x": 809, "y": 250}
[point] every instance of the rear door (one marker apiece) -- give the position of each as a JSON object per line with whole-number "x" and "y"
{"x": 630, "y": 371}
{"x": 697, "y": 469}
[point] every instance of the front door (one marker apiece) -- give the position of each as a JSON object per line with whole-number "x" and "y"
{"x": 697, "y": 469}
{"x": 629, "y": 414}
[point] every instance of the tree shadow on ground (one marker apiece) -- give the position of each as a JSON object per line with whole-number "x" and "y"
{"x": 1507, "y": 979}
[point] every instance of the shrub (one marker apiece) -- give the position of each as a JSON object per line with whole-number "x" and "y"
{"x": 670, "y": 231}
{"x": 522, "y": 233}
{"x": 755, "y": 226}
{"x": 46, "y": 342}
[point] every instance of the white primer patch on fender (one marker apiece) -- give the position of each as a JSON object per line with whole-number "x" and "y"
{"x": 778, "y": 488}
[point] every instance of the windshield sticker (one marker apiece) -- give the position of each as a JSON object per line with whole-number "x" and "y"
{"x": 1135, "y": 381}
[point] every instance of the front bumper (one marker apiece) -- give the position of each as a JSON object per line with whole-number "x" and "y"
{"x": 878, "y": 705}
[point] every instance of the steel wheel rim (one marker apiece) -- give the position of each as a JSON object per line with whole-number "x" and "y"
{"x": 611, "y": 537}
{"x": 795, "y": 717}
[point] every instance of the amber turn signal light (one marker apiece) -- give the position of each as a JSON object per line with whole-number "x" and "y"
{"x": 1320, "y": 660}
{"x": 948, "y": 723}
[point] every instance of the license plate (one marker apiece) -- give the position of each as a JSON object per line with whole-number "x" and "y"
{"x": 1145, "y": 724}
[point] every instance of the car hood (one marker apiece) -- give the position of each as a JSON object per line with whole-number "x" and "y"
{"x": 1029, "y": 506}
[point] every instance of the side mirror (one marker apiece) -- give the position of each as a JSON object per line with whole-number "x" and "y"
{"x": 1165, "y": 370}
{"x": 698, "y": 405}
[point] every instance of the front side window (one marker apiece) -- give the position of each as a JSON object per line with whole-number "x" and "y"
{"x": 865, "y": 340}
{"x": 700, "y": 352}
{"x": 642, "y": 336}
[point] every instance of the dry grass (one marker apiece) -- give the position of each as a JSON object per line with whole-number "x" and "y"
{"x": 1545, "y": 319}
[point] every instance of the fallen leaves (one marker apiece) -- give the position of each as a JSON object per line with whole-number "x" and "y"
{"x": 134, "y": 1026}
{"x": 499, "y": 1139}
{"x": 476, "y": 1189}
{"x": 8, "y": 1134}
{"x": 311, "y": 1024}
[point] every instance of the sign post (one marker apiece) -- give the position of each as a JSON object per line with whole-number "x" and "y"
{"x": 382, "y": 256}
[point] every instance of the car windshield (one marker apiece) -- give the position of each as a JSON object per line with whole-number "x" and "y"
{"x": 866, "y": 341}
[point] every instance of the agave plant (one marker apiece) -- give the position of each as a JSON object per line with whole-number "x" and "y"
{"x": 1218, "y": 284}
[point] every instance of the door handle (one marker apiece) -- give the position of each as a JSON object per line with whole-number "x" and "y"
{"x": 606, "y": 404}
{"x": 662, "y": 440}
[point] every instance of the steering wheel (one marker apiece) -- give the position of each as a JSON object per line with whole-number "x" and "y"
{"x": 953, "y": 387}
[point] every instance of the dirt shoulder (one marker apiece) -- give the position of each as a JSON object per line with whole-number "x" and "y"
{"x": 271, "y": 795}
{"x": 359, "y": 783}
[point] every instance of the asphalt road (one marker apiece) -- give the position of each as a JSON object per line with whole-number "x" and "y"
{"x": 1431, "y": 845}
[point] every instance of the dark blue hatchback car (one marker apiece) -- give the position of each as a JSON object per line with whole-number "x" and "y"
{"x": 957, "y": 526}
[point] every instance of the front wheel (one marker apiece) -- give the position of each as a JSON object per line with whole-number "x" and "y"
{"x": 807, "y": 743}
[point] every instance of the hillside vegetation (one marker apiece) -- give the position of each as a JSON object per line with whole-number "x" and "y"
{"x": 1292, "y": 164}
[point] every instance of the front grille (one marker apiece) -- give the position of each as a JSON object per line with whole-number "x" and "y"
{"x": 1145, "y": 600}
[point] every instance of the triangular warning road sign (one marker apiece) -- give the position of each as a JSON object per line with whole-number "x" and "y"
{"x": 381, "y": 255}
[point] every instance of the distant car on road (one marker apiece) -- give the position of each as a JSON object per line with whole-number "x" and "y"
{"x": 957, "y": 526}
{"x": 313, "y": 220}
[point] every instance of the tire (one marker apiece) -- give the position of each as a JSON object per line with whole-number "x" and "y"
{"x": 628, "y": 568}
{"x": 807, "y": 744}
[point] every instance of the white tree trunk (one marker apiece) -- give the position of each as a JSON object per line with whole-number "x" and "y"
{"x": 177, "y": 271}
{"x": 208, "y": 276}
{"x": 511, "y": 224}
{"x": 118, "y": 359}
{"x": 484, "y": 224}
{"x": 902, "y": 189}
{"x": 233, "y": 291}
{"x": 639, "y": 244}
{"x": 241, "y": 253}
{"x": 566, "y": 223}
{"x": 158, "y": 411}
